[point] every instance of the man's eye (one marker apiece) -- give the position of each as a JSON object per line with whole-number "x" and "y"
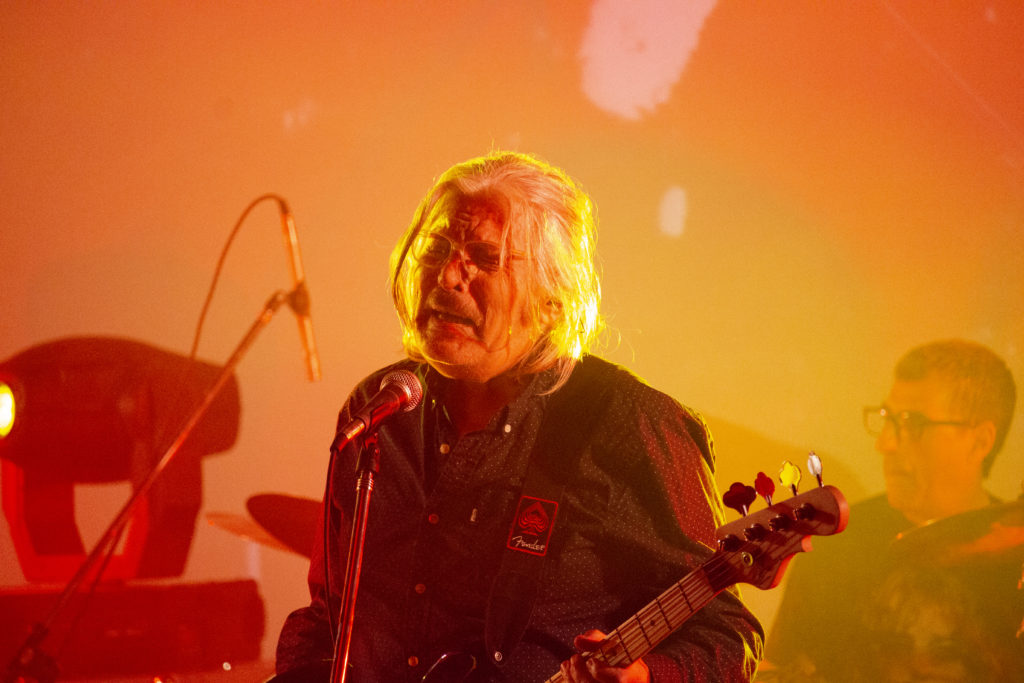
{"x": 484, "y": 255}
{"x": 914, "y": 420}
{"x": 433, "y": 249}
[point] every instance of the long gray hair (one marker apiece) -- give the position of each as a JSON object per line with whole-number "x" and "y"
{"x": 554, "y": 221}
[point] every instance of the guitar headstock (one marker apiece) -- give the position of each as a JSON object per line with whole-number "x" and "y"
{"x": 757, "y": 548}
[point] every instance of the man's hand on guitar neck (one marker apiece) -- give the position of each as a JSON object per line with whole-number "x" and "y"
{"x": 579, "y": 670}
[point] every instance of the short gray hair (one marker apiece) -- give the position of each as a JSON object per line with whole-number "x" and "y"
{"x": 983, "y": 387}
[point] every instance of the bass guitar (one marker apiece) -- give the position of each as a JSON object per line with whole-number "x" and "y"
{"x": 755, "y": 549}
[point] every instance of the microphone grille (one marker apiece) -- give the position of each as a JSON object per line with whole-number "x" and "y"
{"x": 409, "y": 385}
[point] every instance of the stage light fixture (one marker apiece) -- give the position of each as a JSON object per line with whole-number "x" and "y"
{"x": 103, "y": 410}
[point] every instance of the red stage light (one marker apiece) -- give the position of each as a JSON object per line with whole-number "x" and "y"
{"x": 97, "y": 410}
{"x": 7, "y": 409}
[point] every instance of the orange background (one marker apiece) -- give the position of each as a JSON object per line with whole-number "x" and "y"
{"x": 852, "y": 175}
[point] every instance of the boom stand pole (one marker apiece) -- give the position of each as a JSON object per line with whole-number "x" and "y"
{"x": 367, "y": 467}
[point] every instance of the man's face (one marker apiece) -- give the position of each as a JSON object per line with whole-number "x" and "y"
{"x": 938, "y": 473}
{"x": 473, "y": 317}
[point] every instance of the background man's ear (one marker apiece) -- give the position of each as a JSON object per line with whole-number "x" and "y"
{"x": 984, "y": 439}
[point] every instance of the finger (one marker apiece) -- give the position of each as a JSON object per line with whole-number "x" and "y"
{"x": 588, "y": 641}
{"x": 602, "y": 672}
{"x": 566, "y": 669}
{"x": 581, "y": 669}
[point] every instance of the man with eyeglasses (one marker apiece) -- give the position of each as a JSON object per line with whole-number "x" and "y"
{"x": 497, "y": 547}
{"x": 938, "y": 431}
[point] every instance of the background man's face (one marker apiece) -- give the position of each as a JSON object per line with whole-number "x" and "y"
{"x": 933, "y": 475}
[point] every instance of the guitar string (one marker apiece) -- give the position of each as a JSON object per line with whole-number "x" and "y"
{"x": 672, "y": 604}
{"x": 700, "y": 583}
{"x": 635, "y": 642}
{"x": 632, "y": 637}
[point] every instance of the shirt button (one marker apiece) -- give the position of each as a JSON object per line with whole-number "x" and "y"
{"x": 433, "y": 518}
{"x": 413, "y": 661}
{"x": 445, "y": 449}
{"x": 420, "y": 588}
{"x": 508, "y": 428}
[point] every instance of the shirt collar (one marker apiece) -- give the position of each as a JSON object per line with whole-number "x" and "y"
{"x": 513, "y": 413}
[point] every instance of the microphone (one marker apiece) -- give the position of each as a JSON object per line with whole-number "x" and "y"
{"x": 298, "y": 299}
{"x": 400, "y": 390}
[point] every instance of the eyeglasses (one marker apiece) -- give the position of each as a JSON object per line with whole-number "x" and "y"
{"x": 434, "y": 249}
{"x": 908, "y": 422}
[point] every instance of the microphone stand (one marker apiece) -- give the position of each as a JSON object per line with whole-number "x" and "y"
{"x": 30, "y": 660}
{"x": 367, "y": 466}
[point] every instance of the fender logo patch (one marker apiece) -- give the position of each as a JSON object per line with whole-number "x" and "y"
{"x": 532, "y": 525}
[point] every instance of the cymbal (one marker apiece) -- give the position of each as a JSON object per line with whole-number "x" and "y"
{"x": 241, "y": 525}
{"x": 291, "y": 520}
{"x": 994, "y": 532}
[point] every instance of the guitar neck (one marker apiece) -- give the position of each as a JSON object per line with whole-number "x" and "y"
{"x": 642, "y": 632}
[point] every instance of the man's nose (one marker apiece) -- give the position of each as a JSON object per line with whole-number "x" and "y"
{"x": 454, "y": 274}
{"x": 888, "y": 441}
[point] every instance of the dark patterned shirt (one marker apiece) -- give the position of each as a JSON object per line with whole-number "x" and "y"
{"x": 639, "y": 513}
{"x": 865, "y": 607}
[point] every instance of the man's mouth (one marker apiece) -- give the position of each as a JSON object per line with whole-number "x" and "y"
{"x": 449, "y": 310}
{"x": 450, "y": 318}
{"x": 898, "y": 476}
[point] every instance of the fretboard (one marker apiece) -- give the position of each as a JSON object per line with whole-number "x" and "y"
{"x": 642, "y": 632}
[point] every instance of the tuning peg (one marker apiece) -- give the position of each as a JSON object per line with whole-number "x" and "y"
{"x": 765, "y": 487}
{"x": 789, "y": 475}
{"x": 814, "y": 466}
{"x": 730, "y": 543}
{"x": 739, "y": 497}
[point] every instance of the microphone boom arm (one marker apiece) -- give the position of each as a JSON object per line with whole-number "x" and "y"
{"x": 298, "y": 300}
